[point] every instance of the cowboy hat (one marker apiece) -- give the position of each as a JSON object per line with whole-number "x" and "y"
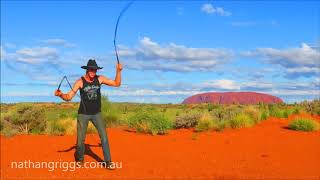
{"x": 91, "y": 65}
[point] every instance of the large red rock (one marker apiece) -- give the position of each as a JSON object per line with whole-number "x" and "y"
{"x": 232, "y": 98}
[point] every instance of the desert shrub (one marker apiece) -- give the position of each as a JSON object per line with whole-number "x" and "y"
{"x": 286, "y": 113}
{"x": 91, "y": 128}
{"x": 304, "y": 124}
{"x": 56, "y": 128}
{"x": 264, "y": 115}
{"x": 109, "y": 113}
{"x": 149, "y": 122}
{"x": 28, "y": 119}
{"x": 206, "y": 123}
{"x": 222, "y": 125}
{"x": 240, "y": 121}
{"x": 8, "y": 132}
{"x": 226, "y": 113}
{"x": 275, "y": 110}
{"x": 74, "y": 115}
{"x": 63, "y": 115}
{"x": 261, "y": 105}
{"x": 210, "y": 107}
{"x": 183, "y": 106}
{"x": 296, "y": 111}
{"x": 1, "y": 124}
{"x": 7, "y": 128}
{"x": 69, "y": 124}
{"x": 187, "y": 121}
{"x": 289, "y": 110}
{"x": 253, "y": 113}
{"x": 312, "y": 107}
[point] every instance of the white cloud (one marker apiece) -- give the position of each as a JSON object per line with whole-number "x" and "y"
{"x": 256, "y": 86}
{"x": 302, "y": 61}
{"x": 59, "y": 42}
{"x": 36, "y": 55}
{"x": 181, "y": 89}
{"x": 26, "y": 94}
{"x": 292, "y": 57}
{"x": 222, "y": 84}
{"x": 303, "y": 70}
{"x": 148, "y": 92}
{"x": 31, "y": 61}
{"x": 151, "y": 55}
{"x": 210, "y": 9}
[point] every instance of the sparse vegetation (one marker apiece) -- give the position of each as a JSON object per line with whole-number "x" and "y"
{"x": 312, "y": 107}
{"x": 240, "y": 121}
{"x": 56, "y": 128}
{"x": 206, "y": 123}
{"x": 187, "y": 121}
{"x": 150, "y": 122}
{"x": 60, "y": 118}
{"x": 304, "y": 124}
{"x": 28, "y": 119}
{"x": 109, "y": 113}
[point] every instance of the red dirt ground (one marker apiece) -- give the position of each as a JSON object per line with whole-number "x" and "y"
{"x": 267, "y": 151}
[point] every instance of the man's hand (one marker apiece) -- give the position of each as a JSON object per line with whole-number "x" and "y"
{"x": 119, "y": 67}
{"x": 58, "y": 93}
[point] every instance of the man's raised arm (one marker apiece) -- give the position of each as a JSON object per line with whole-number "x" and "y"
{"x": 116, "y": 82}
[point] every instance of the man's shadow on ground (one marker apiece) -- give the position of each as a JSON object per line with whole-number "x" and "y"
{"x": 87, "y": 151}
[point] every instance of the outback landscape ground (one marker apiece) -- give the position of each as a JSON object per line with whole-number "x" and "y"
{"x": 268, "y": 149}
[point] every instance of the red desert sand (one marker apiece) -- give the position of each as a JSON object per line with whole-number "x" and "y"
{"x": 268, "y": 150}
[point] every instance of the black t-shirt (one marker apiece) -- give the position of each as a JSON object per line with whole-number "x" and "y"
{"x": 90, "y": 97}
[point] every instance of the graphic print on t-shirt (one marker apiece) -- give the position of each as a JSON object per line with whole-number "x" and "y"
{"x": 91, "y": 91}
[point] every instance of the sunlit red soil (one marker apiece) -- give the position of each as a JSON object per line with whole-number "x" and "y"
{"x": 268, "y": 150}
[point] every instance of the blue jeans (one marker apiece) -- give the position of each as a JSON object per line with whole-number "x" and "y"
{"x": 82, "y": 125}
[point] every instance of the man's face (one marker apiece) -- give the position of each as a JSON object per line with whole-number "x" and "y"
{"x": 91, "y": 72}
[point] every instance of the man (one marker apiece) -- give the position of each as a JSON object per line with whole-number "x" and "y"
{"x": 90, "y": 107}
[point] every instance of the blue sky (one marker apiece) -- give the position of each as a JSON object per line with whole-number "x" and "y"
{"x": 169, "y": 49}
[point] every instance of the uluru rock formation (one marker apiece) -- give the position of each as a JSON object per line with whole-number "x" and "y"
{"x": 232, "y": 98}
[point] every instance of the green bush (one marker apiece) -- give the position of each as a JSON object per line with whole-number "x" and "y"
{"x": 56, "y": 129}
{"x": 222, "y": 125}
{"x": 286, "y": 113}
{"x": 240, "y": 121}
{"x": 149, "y": 122}
{"x": 28, "y": 118}
{"x": 1, "y": 124}
{"x": 109, "y": 113}
{"x": 296, "y": 111}
{"x": 63, "y": 115}
{"x": 187, "y": 121}
{"x": 312, "y": 107}
{"x": 304, "y": 124}
{"x": 253, "y": 113}
{"x": 226, "y": 113}
{"x": 205, "y": 125}
{"x": 276, "y": 111}
{"x": 7, "y": 128}
{"x": 210, "y": 107}
{"x": 264, "y": 115}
